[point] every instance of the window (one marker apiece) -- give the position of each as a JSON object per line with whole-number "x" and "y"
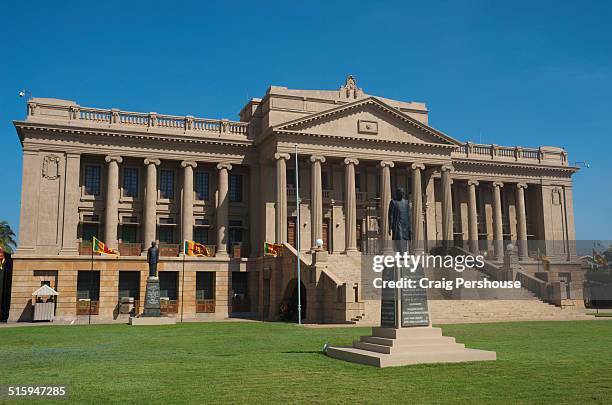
{"x": 130, "y": 182}
{"x": 128, "y": 233}
{"x": 88, "y": 285}
{"x": 235, "y": 232}
{"x": 166, "y": 235}
{"x": 235, "y": 187}
{"x": 92, "y": 180}
{"x": 291, "y": 178}
{"x": 202, "y": 186}
{"x": 89, "y": 231}
{"x": 358, "y": 182}
{"x": 200, "y": 235}
{"x": 325, "y": 181}
{"x": 166, "y": 184}
{"x": 205, "y": 285}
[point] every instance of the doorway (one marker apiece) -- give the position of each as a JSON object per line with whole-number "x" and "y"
{"x": 289, "y": 307}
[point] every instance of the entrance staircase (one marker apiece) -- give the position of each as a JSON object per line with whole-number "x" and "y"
{"x": 495, "y": 306}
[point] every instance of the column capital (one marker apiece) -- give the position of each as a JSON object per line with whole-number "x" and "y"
{"x": 279, "y": 155}
{"x": 473, "y": 182}
{"x": 416, "y": 166}
{"x": 351, "y": 161}
{"x": 191, "y": 163}
{"x": 317, "y": 158}
{"x": 221, "y": 166}
{"x": 113, "y": 158}
{"x": 447, "y": 167}
{"x": 386, "y": 163}
{"x": 521, "y": 185}
{"x": 497, "y": 184}
{"x": 152, "y": 161}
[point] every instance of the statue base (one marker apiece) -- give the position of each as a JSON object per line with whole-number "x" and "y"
{"x": 152, "y": 320}
{"x": 152, "y": 304}
{"x": 389, "y": 347}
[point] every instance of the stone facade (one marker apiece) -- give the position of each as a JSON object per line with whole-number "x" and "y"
{"x": 131, "y": 178}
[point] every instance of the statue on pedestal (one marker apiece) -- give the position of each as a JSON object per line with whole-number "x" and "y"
{"x": 152, "y": 305}
{"x": 153, "y": 259}
{"x": 407, "y": 306}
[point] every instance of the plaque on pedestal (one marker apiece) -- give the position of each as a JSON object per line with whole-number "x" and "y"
{"x": 152, "y": 305}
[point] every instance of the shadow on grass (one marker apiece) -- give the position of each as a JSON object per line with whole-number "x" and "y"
{"x": 304, "y": 352}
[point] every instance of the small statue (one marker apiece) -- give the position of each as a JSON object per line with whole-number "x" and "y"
{"x": 153, "y": 259}
{"x": 399, "y": 220}
{"x": 350, "y": 84}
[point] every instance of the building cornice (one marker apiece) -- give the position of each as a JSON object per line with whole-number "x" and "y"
{"x": 136, "y": 134}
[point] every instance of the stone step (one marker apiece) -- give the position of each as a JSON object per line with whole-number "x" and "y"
{"x": 408, "y": 347}
{"x": 406, "y": 333}
{"x": 418, "y": 341}
{"x": 361, "y": 356}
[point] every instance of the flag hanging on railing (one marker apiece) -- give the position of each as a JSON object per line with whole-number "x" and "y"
{"x": 98, "y": 246}
{"x": 273, "y": 249}
{"x": 191, "y": 248}
{"x": 599, "y": 259}
{"x": 543, "y": 258}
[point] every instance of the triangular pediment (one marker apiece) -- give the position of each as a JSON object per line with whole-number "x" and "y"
{"x": 369, "y": 118}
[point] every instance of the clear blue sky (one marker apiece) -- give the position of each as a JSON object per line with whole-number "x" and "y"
{"x": 510, "y": 73}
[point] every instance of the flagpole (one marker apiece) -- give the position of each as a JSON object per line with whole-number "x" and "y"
{"x": 183, "y": 283}
{"x": 297, "y": 230}
{"x": 91, "y": 280}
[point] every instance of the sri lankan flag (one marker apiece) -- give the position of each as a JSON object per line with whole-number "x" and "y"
{"x": 543, "y": 258}
{"x": 599, "y": 259}
{"x": 100, "y": 247}
{"x": 273, "y": 249}
{"x": 191, "y": 248}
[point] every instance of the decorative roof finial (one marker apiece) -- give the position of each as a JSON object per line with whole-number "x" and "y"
{"x": 350, "y": 83}
{"x": 350, "y": 89}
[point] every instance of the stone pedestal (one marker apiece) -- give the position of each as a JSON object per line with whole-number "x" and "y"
{"x": 415, "y": 345}
{"x": 152, "y": 305}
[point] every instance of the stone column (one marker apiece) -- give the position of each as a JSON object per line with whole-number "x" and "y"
{"x": 223, "y": 208}
{"x": 187, "y": 214}
{"x": 521, "y": 219}
{"x": 447, "y": 205}
{"x": 316, "y": 200}
{"x": 255, "y": 198}
{"x": 281, "y": 196}
{"x": 350, "y": 205}
{"x": 472, "y": 216}
{"x": 150, "y": 207}
{"x": 418, "y": 231}
{"x": 111, "y": 218}
{"x": 498, "y": 231}
{"x": 385, "y": 199}
{"x": 72, "y": 196}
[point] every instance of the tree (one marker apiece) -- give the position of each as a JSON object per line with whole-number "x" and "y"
{"x": 7, "y": 237}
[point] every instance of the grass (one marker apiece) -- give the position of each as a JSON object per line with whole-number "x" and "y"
{"x": 538, "y": 362}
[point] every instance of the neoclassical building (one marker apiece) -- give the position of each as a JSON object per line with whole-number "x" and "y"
{"x": 130, "y": 178}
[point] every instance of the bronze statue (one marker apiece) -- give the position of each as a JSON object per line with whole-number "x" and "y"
{"x": 399, "y": 220}
{"x": 153, "y": 259}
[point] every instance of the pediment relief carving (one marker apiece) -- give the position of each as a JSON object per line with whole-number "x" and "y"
{"x": 368, "y": 119}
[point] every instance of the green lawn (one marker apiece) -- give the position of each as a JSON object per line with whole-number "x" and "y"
{"x": 538, "y": 362}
